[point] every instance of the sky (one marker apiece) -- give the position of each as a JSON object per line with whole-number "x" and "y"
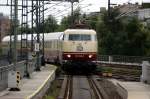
{"x": 64, "y": 9}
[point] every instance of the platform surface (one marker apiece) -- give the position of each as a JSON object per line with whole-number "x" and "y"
{"x": 30, "y": 86}
{"x": 136, "y": 90}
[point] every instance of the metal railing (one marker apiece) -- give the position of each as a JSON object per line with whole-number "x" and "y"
{"x": 20, "y": 66}
{"x": 123, "y": 59}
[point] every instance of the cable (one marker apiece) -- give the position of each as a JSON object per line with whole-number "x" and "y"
{"x": 67, "y": 13}
{"x": 67, "y": 8}
{"x": 50, "y": 6}
{"x": 62, "y": 14}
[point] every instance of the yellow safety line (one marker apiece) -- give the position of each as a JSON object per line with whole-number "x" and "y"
{"x": 33, "y": 94}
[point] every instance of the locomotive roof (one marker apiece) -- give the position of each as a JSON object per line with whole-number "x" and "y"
{"x": 79, "y": 31}
{"x": 47, "y": 36}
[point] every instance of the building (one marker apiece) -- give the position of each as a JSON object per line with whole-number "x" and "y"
{"x": 103, "y": 9}
{"x": 142, "y": 12}
{"x": 4, "y": 26}
{"x": 125, "y": 8}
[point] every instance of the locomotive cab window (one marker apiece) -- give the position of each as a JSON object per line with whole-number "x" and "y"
{"x": 65, "y": 37}
{"x": 94, "y": 38}
{"x": 79, "y": 37}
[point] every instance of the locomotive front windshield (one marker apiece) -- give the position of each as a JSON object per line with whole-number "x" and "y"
{"x": 79, "y": 37}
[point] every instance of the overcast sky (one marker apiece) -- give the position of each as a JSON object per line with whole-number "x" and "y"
{"x": 64, "y": 8}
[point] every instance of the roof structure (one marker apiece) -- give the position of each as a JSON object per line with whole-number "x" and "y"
{"x": 47, "y": 37}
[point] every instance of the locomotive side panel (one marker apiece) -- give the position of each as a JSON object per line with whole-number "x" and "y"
{"x": 53, "y": 51}
{"x": 52, "y": 45}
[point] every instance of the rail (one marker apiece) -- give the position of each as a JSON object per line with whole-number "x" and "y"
{"x": 94, "y": 87}
{"x": 66, "y": 89}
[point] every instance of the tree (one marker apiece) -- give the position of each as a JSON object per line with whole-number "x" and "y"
{"x": 66, "y": 22}
{"x": 124, "y": 36}
{"x": 50, "y": 24}
{"x": 90, "y": 20}
{"x": 27, "y": 29}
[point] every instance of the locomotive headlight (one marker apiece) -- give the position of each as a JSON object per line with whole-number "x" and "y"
{"x": 90, "y": 56}
{"x": 68, "y": 56}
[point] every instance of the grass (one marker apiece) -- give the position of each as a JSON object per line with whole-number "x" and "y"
{"x": 49, "y": 97}
{"x": 53, "y": 91}
{"x": 121, "y": 71}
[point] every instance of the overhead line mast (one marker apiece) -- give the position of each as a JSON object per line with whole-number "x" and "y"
{"x": 15, "y": 33}
{"x": 109, "y": 9}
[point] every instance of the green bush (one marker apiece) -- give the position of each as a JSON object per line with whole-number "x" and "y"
{"x": 107, "y": 70}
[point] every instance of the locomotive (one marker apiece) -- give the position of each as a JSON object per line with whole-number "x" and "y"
{"x": 74, "y": 49}
{"x": 79, "y": 50}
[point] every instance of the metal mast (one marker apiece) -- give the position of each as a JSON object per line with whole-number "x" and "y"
{"x": 109, "y": 8}
{"x": 32, "y": 24}
{"x": 42, "y": 29}
{"x": 38, "y": 34}
{"x": 24, "y": 26}
{"x": 12, "y": 30}
{"x": 24, "y": 34}
{"x": 72, "y": 14}
{"x": 15, "y": 33}
{"x": 72, "y": 17}
{"x": 37, "y": 38}
{"x": 35, "y": 30}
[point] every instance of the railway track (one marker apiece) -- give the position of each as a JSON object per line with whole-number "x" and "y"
{"x": 68, "y": 91}
{"x": 81, "y": 87}
{"x": 124, "y": 73}
{"x": 95, "y": 88}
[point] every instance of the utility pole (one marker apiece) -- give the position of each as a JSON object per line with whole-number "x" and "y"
{"x": 24, "y": 36}
{"x": 15, "y": 32}
{"x": 43, "y": 52}
{"x": 32, "y": 23}
{"x": 38, "y": 37}
{"x": 72, "y": 14}
{"x": 72, "y": 17}
{"x": 12, "y": 31}
{"x": 108, "y": 9}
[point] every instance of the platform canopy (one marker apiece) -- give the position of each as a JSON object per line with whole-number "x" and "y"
{"x": 61, "y": 0}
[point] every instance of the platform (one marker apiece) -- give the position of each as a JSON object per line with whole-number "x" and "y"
{"x": 135, "y": 90}
{"x": 33, "y": 88}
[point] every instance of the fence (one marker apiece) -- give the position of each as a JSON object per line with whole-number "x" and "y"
{"x": 123, "y": 59}
{"x": 4, "y": 60}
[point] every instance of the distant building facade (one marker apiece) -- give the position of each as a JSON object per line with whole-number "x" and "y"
{"x": 127, "y": 8}
{"x": 143, "y": 14}
{"x": 4, "y": 26}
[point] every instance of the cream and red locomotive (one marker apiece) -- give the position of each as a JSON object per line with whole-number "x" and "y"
{"x": 79, "y": 50}
{"x": 79, "y": 44}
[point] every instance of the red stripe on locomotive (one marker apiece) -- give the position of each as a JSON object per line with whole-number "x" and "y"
{"x": 88, "y": 56}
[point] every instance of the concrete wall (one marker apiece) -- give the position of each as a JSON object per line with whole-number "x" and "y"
{"x": 21, "y": 67}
